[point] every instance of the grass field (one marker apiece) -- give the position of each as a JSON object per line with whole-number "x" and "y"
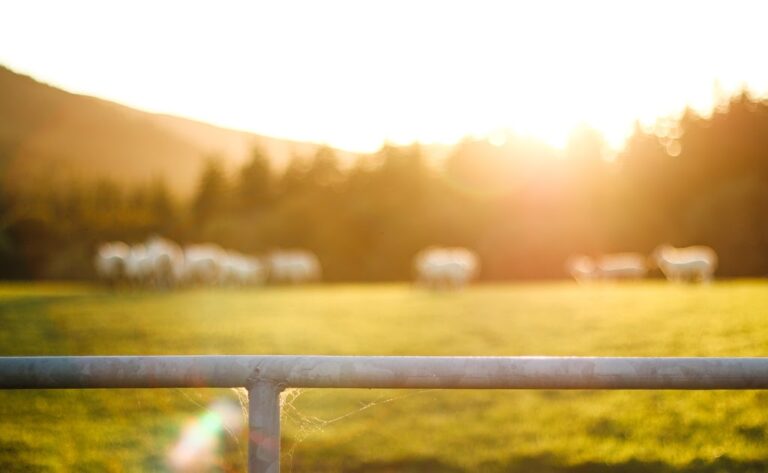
{"x": 390, "y": 430}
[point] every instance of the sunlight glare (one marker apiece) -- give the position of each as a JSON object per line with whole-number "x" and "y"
{"x": 196, "y": 446}
{"x": 354, "y": 74}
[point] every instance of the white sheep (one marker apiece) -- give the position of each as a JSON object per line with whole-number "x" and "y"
{"x": 138, "y": 265}
{"x": 203, "y": 263}
{"x": 622, "y": 266}
{"x": 696, "y": 263}
{"x": 445, "y": 267}
{"x": 608, "y": 267}
{"x": 166, "y": 260}
{"x": 110, "y": 261}
{"x": 294, "y": 266}
{"x": 582, "y": 268}
{"x": 242, "y": 270}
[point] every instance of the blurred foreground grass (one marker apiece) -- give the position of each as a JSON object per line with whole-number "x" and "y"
{"x": 390, "y": 430}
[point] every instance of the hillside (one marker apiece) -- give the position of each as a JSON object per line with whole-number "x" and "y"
{"x": 48, "y": 136}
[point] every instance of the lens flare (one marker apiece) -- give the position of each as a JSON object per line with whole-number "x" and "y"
{"x": 197, "y": 445}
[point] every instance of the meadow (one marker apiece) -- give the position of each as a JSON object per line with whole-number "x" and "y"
{"x": 395, "y": 430}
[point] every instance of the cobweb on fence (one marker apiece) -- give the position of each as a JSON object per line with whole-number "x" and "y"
{"x": 307, "y": 425}
{"x": 302, "y": 423}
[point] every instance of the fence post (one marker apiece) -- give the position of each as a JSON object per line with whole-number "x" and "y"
{"x": 264, "y": 427}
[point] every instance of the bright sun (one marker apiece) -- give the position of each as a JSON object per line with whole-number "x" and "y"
{"x": 353, "y": 74}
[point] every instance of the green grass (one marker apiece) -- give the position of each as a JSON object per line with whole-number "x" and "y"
{"x": 390, "y": 430}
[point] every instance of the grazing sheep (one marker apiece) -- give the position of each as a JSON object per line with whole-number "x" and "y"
{"x": 610, "y": 267}
{"x": 445, "y": 267}
{"x": 695, "y": 263}
{"x": 622, "y": 266}
{"x": 581, "y": 268}
{"x": 294, "y": 266}
{"x": 162, "y": 263}
{"x": 138, "y": 265}
{"x": 166, "y": 260}
{"x": 241, "y": 270}
{"x": 110, "y": 261}
{"x": 203, "y": 263}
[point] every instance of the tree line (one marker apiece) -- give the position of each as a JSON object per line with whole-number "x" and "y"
{"x": 523, "y": 206}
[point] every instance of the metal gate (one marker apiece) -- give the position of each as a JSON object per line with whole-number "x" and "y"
{"x": 266, "y": 376}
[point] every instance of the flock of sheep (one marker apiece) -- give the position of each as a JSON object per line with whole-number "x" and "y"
{"x": 693, "y": 263}
{"x": 160, "y": 262}
{"x": 453, "y": 268}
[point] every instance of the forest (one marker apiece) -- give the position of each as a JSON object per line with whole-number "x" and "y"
{"x": 522, "y": 205}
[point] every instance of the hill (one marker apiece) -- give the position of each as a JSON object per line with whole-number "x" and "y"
{"x": 49, "y": 136}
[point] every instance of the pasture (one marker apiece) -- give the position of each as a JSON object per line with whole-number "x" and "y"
{"x": 393, "y": 430}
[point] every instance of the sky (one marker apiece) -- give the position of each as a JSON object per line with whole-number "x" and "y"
{"x": 353, "y": 74}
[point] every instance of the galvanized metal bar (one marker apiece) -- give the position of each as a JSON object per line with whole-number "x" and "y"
{"x": 264, "y": 427}
{"x": 384, "y": 372}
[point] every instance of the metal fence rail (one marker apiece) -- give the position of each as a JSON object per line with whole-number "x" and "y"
{"x": 266, "y": 376}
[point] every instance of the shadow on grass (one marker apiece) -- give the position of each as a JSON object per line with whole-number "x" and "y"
{"x": 404, "y": 466}
{"x": 11, "y": 458}
{"x": 550, "y": 464}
